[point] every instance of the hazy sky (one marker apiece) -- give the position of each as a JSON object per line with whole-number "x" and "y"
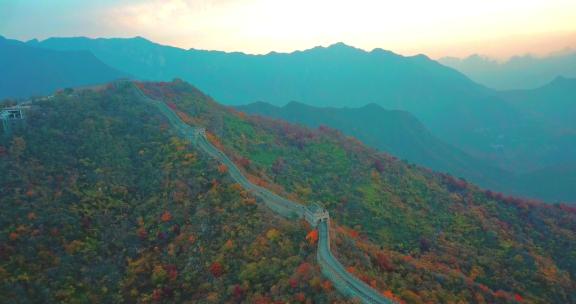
{"x": 434, "y": 27}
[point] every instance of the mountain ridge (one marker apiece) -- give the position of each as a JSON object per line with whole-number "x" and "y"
{"x": 518, "y": 72}
{"x": 28, "y": 71}
{"x": 444, "y": 99}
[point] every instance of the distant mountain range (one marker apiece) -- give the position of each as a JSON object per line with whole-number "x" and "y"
{"x": 555, "y": 102}
{"x": 453, "y": 107}
{"x": 27, "y": 70}
{"x": 519, "y": 72}
{"x": 470, "y": 130}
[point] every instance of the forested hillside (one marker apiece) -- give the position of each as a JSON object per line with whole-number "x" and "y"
{"x": 407, "y": 231}
{"x": 395, "y": 132}
{"x": 103, "y": 204}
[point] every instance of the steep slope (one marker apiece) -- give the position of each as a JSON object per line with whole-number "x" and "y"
{"x": 395, "y": 132}
{"x": 406, "y": 231}
{"x": 453, "y": 107}
{"x": 519, "y": 72}
{"x": 28, "y": 71}
{"x": 317, "y": 217}
{"x": 103, "y": 203}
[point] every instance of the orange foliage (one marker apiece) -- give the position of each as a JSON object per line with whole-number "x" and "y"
{"x": 312, "y": 237}
{"x": 222, "y": 168}
{"x": 257, "y": 181}
{"x": 484, "y": 288}
{"x": 214, "y": 140}
{"x": 390, "y": 295}
{"x": 300, "y": 297}
{"x": 501, "y": 294}
{"x": 166, "y": 216}
{"x": 262, "y": 300}
{"x": 142, "y": 233}
{"x": 215, "y": 184}
{"x": 185, "y": 117}
{"x": 327, "y": 285}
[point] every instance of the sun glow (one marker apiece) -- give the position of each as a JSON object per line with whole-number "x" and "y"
{"x": 442, "y": 27}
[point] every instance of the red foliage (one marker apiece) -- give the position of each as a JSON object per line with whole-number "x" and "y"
{"x": 171, "y": 105}
{"x": 379, "y": 166}
{"x": 142, "y": 233}
{"x": 216, "y": 269}
{"x": 304, "y": 269}
{"x": 312, "y": 237}
{"x": 567, "y": 208}
{"x": 157, "y": 294}
{"x": 293, "y": 283}
{"x": 243, "y": 162}
{"x": 384, "y": 262}
{"x": 353, "y": 233}
{"x": 518, "y": 298}
{"x": 172, "y": 272}
{"x": 13, "y": 236}
{"x": 238, "y": 292}
{"x": 455, "y": 184}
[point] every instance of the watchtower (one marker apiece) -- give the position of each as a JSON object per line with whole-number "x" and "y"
{"x": 9, "y": 115}
{"x": 199, "y": 132}
{"x": 315, "y": 214}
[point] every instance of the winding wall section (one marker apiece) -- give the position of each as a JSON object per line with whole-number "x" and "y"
{"x": 342, "y": 280}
